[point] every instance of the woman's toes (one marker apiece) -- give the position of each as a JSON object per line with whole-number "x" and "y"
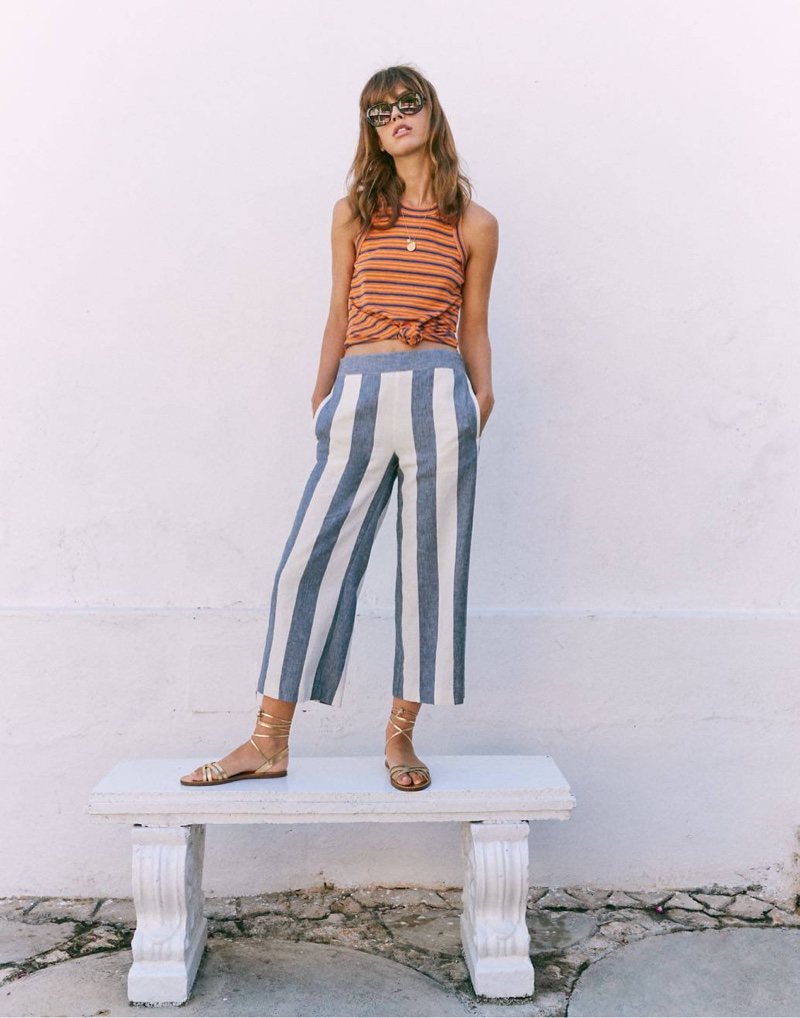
{"x": 413, "y": 778}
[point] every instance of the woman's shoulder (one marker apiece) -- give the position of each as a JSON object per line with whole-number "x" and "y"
{"x": 479, "y": 228}
{"x": 343, "y": 217}
{"x": 478, "y": 218}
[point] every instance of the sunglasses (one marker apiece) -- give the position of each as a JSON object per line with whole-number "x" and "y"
{"x": 408, "y": 104}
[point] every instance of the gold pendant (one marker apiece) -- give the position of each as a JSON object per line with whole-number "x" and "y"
{"x": 411, "y": 245}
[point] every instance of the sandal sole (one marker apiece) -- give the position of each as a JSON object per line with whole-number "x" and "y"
{"x": 236, "y": 777}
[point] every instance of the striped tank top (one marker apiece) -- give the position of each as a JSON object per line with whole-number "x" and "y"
{"x": 410, "y": 295}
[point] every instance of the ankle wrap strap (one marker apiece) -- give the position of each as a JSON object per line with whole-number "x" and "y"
{"x": 279, "y": 726}
{"x": 402, "y": 714}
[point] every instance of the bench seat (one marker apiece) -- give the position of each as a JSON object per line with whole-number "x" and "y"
{"x": 493, "y": 797}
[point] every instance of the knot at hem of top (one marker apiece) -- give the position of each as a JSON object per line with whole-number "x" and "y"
{"x": 410, "y": 333}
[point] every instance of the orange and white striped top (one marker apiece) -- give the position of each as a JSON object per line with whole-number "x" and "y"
{"x": 410, "y": 295}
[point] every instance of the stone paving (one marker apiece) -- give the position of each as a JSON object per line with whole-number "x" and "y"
{"x": 571, "y": 927}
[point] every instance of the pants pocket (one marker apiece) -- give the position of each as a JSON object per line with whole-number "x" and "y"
{"x": 318, "y": 411}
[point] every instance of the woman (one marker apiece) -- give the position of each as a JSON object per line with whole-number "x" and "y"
{"x": 403, "y": 391}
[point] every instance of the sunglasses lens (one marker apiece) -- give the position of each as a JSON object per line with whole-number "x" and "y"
{"x": 411, "y": 102}
{"x": 379, "y": 114}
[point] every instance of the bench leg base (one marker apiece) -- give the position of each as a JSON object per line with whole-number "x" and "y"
{"x": 170, "y": 926}
{"x": 494, "y": 931}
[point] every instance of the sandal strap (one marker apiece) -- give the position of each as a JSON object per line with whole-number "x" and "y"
{"x": 279, "y": 726}
{"x": 400, "y": 715}
{"x": 269, "y": 760}
{"x": 405, "y": 769}
{"x": 213, "y": 772}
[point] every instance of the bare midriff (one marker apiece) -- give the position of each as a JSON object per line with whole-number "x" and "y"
{"x": 392, "y": 345}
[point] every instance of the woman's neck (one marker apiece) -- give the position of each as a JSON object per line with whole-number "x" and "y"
{"x": 415, "y": 172}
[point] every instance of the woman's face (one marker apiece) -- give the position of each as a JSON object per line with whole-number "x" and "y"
{"x": 405, "y": 132}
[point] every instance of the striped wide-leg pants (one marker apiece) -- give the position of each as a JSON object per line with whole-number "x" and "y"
{"x": 406, "y": 415}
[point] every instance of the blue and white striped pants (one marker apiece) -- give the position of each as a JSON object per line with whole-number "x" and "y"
{"x": 406, "y": 415}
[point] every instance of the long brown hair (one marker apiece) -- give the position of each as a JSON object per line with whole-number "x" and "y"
{"x": 373, "y": 182}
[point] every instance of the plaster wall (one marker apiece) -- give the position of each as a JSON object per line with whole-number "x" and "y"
{"x": 636, "y": 576}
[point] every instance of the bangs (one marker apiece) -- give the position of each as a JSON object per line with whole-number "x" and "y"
{"x": 379, "y": 84}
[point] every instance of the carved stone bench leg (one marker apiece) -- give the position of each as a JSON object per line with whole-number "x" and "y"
{"x": 494, "y": 932}
{"x": 170, "y": 927}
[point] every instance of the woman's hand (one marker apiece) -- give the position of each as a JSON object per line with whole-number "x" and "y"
{"x": 486, "y": 404}
{"x": 316, "y": 399}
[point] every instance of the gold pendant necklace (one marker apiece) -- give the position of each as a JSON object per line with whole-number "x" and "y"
{"x": 411, "y": 244}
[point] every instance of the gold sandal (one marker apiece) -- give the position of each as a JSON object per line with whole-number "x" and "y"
{"x": 214, "y": 773}
{"x": 398, "y": 769}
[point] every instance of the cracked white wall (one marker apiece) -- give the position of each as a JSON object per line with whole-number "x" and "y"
{"x": 170, "y": 174}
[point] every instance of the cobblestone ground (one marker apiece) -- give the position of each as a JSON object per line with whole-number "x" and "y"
{"x": 571, "y": 927}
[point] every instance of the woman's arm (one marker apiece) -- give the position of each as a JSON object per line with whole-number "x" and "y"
{"x": 344, "y": 231}
{"x": 480, "y": 233}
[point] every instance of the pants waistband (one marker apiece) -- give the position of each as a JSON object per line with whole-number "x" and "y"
{"x": 400, "y": 360}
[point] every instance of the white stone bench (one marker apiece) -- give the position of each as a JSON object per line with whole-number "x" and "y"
{"x": 493, "y": 797}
